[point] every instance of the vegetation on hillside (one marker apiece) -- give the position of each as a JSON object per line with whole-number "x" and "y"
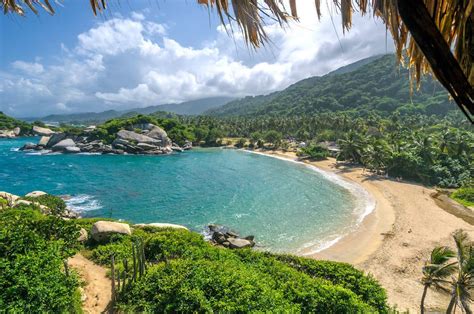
{"x": 379, "y": 87}
{"x": 183, "y": 272}
{"x": 465, "y": 194}
{"x": 9, "y": 123}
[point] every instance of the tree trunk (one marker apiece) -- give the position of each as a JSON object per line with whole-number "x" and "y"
{"x": 466, "y": 307}
{"x": 423, "y": 296}
{"x": 450, "y": 308}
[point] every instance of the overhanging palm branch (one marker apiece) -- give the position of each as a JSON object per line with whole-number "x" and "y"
{"x": 425, "y": 30}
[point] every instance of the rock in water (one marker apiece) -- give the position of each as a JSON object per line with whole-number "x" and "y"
{"x": 42, "y": 131}
{"x": 158, "y": 133}
{"x": 55, "y": 138}
{"x": 72, "y": 150}
{"x": 135, "y": 137}
{"x": 35, "y": 194}
{"x": 44, "y": 141}
{"x": 102, "y": 230}
{"x": 61, "y": 146}
{"x": 28, "y": 146}
{"x": 237, "y": 243}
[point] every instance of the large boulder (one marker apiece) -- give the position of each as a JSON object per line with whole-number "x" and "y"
{"x": 44, "y": 141}
{"x": 137, "y": 138}
{"x": 22, "y": 202}
{"x": 28, "y": 146}
{"x": 238, "y": 243}
{"x": 16, "y": 131}
{"x": 36, "y": 194}
{"x": 161, "y": 225}
{"x": 42, "y": 131}
{"x": 10, "y": 198}
{"x": 158, "y": 133}
{"x": 72, "y": 150}
{"x": 145, "y": 146}
{"x": 83, "y": 235}
{"x": 55, "y": 138}
{"x": 102, "y": 230}
{"x": 61, "y": 146}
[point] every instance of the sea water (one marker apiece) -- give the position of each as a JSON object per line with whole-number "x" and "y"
{"x": 288, "y": 207}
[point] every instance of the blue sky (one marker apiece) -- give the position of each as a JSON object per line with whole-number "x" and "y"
{"x": 142, "y": 53}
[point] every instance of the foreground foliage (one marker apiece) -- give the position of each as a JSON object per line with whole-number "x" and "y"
{"x": 187, "y": 274}
{"x": 33, "y": 248}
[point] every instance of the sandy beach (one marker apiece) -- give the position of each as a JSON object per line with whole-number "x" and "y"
{"x": 395, "y": 240}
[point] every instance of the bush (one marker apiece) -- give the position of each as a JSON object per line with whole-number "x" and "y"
{"x": 32, "y": 250}
{"x": 314, "y": 152}
{"x": 54, "y": 203}
{"x": 191, "y": 275}
{"x": 464, "y": 195}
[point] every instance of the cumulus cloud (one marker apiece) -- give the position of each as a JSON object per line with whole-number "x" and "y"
{"x": 131, "y": 61}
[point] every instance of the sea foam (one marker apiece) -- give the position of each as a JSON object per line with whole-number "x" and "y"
{"x": 82, "y": 203}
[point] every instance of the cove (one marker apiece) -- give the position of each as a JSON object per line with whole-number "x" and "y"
{"x": 287, "y": 206}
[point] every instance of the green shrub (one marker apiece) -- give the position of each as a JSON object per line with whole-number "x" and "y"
{"x": 314, "y": 152}
{"x": 54, "y": 203}
{"x": 464, "y": 195}
{"x": 32, "y": 250}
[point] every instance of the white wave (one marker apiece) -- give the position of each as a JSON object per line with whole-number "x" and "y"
{"x": 15, "y": 149}
{"x": 82, "y": 203}
{"x": 364, "y": 204}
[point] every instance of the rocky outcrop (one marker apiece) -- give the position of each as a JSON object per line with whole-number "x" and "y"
{"x": 16, "y": 131}
{"x": 161, "y": 225}
{"x": 42, "y": 131}
{"x": 151, "y": 140}
{"x": 102, "y": 230}
{"x": 223, "y": 236}
{"x": 35, "y": 194}
{"x": 63, "y": 145}
{"x": 10, "y": 198}
{"x": 10, "y": 133}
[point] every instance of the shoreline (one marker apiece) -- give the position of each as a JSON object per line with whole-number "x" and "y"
{"x": 365, "y": 206}
{"x": 393, "y": 242}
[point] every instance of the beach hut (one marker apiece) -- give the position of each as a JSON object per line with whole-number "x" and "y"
{"x": 431, "y": 36}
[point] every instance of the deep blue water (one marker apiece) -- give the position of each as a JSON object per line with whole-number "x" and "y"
{"x": 287, "y": 206}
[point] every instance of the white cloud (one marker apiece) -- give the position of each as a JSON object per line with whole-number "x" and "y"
{"x": 133, "y": 62}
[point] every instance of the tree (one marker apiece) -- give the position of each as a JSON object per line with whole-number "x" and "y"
{"x": 436, "y": 271}
{"x": 463, "y": 284}
{"x": 273, "y": 137}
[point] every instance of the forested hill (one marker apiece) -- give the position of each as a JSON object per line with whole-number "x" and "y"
{"x": 380, "y": 85}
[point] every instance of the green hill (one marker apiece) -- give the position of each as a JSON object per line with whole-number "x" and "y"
{"x": 193, "y": 107}
{"x": 9, "y": 123}
{"x": 377, "y": 86}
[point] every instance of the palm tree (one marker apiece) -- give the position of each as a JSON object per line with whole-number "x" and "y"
{"x": 463, "y": 284}
{"x": 436, "y": 271}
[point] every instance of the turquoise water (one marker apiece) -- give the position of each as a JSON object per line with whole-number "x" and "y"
{"x": 287, "y": 206}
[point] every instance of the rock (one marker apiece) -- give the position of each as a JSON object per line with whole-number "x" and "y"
{"x": 250, "y": 238}
{"x": 10, "y": 198}
{"x": 146, "y": 146}
{"x": 45, "y": 209}
{"x": 35, "y": 194}
{"x": 237, "y": 243}
{"x": 83, "y": 235}
{"x": 226, "y": 244}
{"x": 176, "y": 148}
{"x": 187, "y": 145}
{"x": 231, "y": 234}
{"x": 219, "y": 237}
{"x": 135, "y": 137}
{"x": 55, "y": 138}
{"x": 62, "y": 145}
{"x": 28, "y": 146}
{"x": 16, "y": 131}
{"x": 161, "y": 225}
{"x": 102, "y": 230}
{"x": 72, "y": 150}
{"x": 22, "y": 202}
{"x": 158, "y": 133}
{"x": 44, "y": 141}
{"x": 42, "y": 131}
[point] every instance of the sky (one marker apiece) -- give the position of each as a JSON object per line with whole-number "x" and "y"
{"x": 150, "y": 52}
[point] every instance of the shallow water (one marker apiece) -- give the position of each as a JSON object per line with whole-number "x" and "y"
{"x": 288, "y": 207}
